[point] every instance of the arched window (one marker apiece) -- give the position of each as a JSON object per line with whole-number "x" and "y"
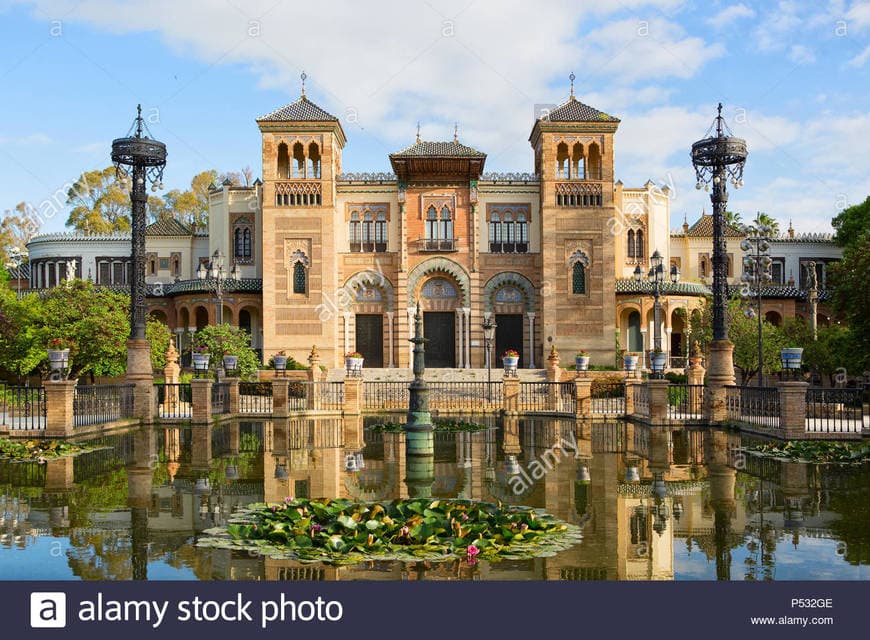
{"x": 495, "y": 233}
{"x": 446, "y": 224}
{"x": 522, "y": 233}
{"x": 381, "y": 232}
{"x": 562, "y": 161}
{"x": 640, "y": 249}
{"x": 243, "y": 241}
{"x": 283, "y": 161}
{"x": 176, "y": 267}
{"x": 298, "y": 160}
{"x": 300, "y": 278}
{"x": 431, "y": 224}
{"x": 635, "y": 337}
{"x": 578, "y": 164}
{"x": 593, "y": 162}
{"x": 578, "y": 278}
{"x": 630, "y": 244}
{"x": 508, "y": 232}
{"x": 313, "y": 161}
{"x": 353, "y": 232}
{"x": 368, "y": 232}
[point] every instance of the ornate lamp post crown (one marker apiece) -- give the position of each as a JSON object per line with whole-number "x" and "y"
{"x": 143, "y": 158}
{"x": 716, "y": 158}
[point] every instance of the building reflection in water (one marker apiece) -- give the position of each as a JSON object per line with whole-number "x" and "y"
{"x": 146, "y": 496}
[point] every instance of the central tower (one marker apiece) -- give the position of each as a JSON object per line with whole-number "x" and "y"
{"x": 302, "y": 146}
{"x": 573, "y": 147}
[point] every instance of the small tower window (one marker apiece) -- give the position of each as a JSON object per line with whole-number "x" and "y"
{"x": 300, "y": 278}
{"x": 354, "y": 232}
{"x": 630, "y": 246}
{"x": 381, "y": 233}
{"x": 578, "y": 278}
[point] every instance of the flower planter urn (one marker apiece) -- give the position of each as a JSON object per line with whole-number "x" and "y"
{"x": 630, "y": 363}
{"x": 353, "y": 366}
{"x": 510, "y": 365}
{"x": 58, "y": 359}
{"x": 200, "y": 361}
{"x": 658, "y": 360}
{"x": 280, "y": 363}
{"x": 231, "y": 363}
{"x": 581, "y": 363}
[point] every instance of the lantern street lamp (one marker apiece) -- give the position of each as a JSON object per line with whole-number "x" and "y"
{"x": 717, "y": 158}
{"x": 489, "y": 327}
{"x": 656, "y": 276}
{"x": 756, "y": 273}
{"x": 16, "y": 259}
{"x": 218, "y": 281}
{"x": 140, "y": 159}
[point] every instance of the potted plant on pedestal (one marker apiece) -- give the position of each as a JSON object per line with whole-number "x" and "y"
{"x": 280, "y": 361}
{"x": 231, "y": 362}
{"x": 629, "y": 361}
{"x": 200, "y": 356}
{"x": 58, "y": 355}
{"x": 511, "y": 359}
{"x": 581, "y": 360}
{"x": 658, "y": 360}
{"x": 353, "y": 363}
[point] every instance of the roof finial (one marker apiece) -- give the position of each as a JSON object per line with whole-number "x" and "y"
{"x": 303, "y": 76}
{"x": 138, "y": 120}
{"x": 572, "y": 77}
{"x": 418, "y": 132}
{"x": 455, "y": 132}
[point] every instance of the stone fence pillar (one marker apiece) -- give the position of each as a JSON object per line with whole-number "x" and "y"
{"x": 233, "y": 395}
{"x": 200, "y": 391}
{"x": 629, "y": 396}
{"x": 511, "y": 389}
{"x": 583, "y": 397}
{"x": 793, "y": 409}
{"x": 280, "y": 397}
{"x": 658, "y": 400}
{"x": 353, "y": 391}
{"x": 59, "y": 416}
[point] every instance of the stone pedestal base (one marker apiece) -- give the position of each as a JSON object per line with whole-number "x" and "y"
{"x": 140, "y": 375}
{"x": 583, "y": 396}
{"x": 720, "y": 374}
{"x": 658, "y": 400}
{"x": 793, "y": 409}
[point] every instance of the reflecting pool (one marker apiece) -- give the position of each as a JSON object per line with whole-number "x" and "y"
{"x": 654, "y": 503}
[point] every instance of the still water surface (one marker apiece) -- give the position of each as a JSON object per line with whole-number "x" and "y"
{"x": 653, "y": 503}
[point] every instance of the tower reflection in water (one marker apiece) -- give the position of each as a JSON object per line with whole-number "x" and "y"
{"x": 136, "y": 506}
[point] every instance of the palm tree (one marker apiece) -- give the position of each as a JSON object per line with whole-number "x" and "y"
{"x": 763, "y": 218}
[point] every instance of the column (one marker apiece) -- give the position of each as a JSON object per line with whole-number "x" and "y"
{"x": 390, "y": 338}
{"x": 347, "y": 344}
{"x": 411, "y": 312}
{"x": 467, "y": 313}
{"x": 459, "y": 316}
{"x": 531, "y": 317}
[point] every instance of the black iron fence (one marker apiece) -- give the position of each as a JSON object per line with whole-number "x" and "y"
{"x": 220, "y": 398}
{"x": 640, "y": 397}
{"x": 835, "y": 410}
{"x": 547, "y": 397}
{"x": 686, "y": 402}
{"x": 608, "y": 397}
{"x": 330, "y": 395}
{"x": 22, "y": 407}
{"x": 102, "y": 403}
{"x": 255, "y": 397}
{"x": 386, "y": 395}
{"x": 754, "y": 405}
{"x": 174, "y": 400}
{"x": 465, "y": 395}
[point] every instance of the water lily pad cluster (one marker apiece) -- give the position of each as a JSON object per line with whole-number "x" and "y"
{"x": 38, "y": 450}
{"x": 440, "y": 424}
{"x": 345, "y": 532}
{"x": 816, "y": 451}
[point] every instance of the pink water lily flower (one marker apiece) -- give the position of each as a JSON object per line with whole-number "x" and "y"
{"x": 472, "y": 551}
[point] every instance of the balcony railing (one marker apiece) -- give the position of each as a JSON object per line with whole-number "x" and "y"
{"x": 442, "y": 245}
{"x": 508, "y": 247}
{"x": 368, "y": 247}
{"x": 581, "y": 193}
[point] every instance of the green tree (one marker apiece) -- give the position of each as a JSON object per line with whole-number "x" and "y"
{"x": 225, "y": 339}
{"x": 95, "y": 320}
{"x": 99, "y": 202}
{"x": 16, "y": 228}
{"x": 733, "y": 218}
{"x": 852, "y": 224}
{"x": 773, "y": 223}
{"x": 21, "y": 344}
{"x": 852, "y": 297}
{"x": 159, "y": 336}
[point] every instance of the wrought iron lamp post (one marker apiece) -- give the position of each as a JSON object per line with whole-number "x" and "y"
{"x": 756, "y": 273}
{"x": 489, "y": 327}
{"x": 16, "y": 259}
{"x": 141, "y": 158}
{"x": 717, "y": 158}
{"x": 656, "y": 276}
{"x": 219, "y": 281}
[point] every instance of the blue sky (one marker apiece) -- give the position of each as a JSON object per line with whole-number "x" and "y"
{"x": 792, "y": 74}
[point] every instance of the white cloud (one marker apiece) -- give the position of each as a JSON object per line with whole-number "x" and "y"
{"x": 801, "y": 54}
{"x": 858, "y": 16}
{"x": 861, "y": 58}
{"x": 731, "y": 14}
